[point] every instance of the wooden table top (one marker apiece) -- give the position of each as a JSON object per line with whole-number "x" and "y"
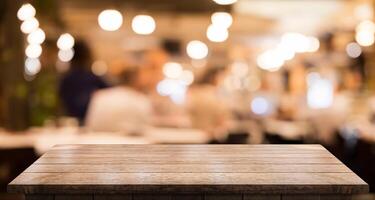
{"x": 109, "y": 169}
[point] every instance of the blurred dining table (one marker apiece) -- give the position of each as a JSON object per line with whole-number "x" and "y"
{"x": 42, "y": 138}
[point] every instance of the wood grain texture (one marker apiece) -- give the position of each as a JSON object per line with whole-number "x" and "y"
{"x": 261, "y": 197}
{"x": 188, "y": 169}
{"x": 152, "y": 197}
{"x": 316, "y": 197}
{"x": 187, "y": 197}
{"x": 112, "y": 197}
{"x": 223, "y": 197}
{"x": 73, "y": 197}
{"x": 335, "y": 197}
{"x": 192, "y": 160}
{"x": 39, "y": 197}
{"x": 300, "y": 197}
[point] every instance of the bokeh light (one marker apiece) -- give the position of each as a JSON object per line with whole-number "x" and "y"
{"x": 197, "y": 49}
{"x": 186, "y": 77}
{"x": 320, "y": 93}
{"x": 365, "y": 38}
{"x": 65, "y": 55}
{"x": 99, "y": 68}
{"x": 314, "y": 44}
{"x": 366, "y": 25}
{"x": 65, "y": 41}
{"x": 172, "y": 70}
{"x": 29, "y": 25}
{"x": 297, "y": 41}
{"x": 225, "y": 2}
{"x": 270, "y": 60}
{"x": 33, "y": 51}
{"x": 27, "y": 11}
{"x": 110, "y": 20}
{"x": 143, "y": 24}
{"x": 36, "y": 37}
{"x": 32, "y": 66}
{"x": 285, "y": 51}
{"x": 216, "y": 33}
{"x": 353, "y": 50}
{"x": 222, "y": 19}
{"x": 260, "y": 106}
{"x": 172, "y": 88}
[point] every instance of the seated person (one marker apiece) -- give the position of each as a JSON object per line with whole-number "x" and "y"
{"x": 79, "y": 83}
{"x": 122, "y": 108}
{"x": 207, "y": 110}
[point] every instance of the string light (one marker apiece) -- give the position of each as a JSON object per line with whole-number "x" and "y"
{"x": 65, "y": 55}
{"x": 36, "y": 37}
{"x": 65, "y": 41}
{"x": 27, "y": 11}
{"x": 33, "y": 51}
{"x": 32, "y": 66}
{"x": 29, "y": 25}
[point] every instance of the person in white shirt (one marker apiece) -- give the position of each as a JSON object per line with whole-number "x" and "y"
{"x": 120, "y": 109}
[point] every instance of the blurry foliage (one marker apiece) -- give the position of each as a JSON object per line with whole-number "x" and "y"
{"x": 43, "y": 97}
{"x": 49, "y": 10}
{"x": 25, "y": 103}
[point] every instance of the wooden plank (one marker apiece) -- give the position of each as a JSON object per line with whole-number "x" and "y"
{"x": 191, "y": 160}
{"x": 187, "y": 146}
{"x": 222, "y": 197}
{"x": 187, "y": 197}
{"x": 74, "y": 197}
{"x": 191, "y": 182}
{"x": 39, "y": 197}
{"x": 151, "y": 197}
{"x": 335, "y": 197}
{"x": 261, "y": 197}
{"x": 301, "y": 197}
{"x": 187, "y": 168}
{"x": 112, "y": 197}
{"x": 184, "y": 152}
{"x": 186, "y": 155}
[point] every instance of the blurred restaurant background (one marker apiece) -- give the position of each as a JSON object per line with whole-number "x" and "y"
{"x": 187, "y": 72}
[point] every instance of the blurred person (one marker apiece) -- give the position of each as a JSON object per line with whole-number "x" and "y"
{"x": 206, "y": 109}
{"x": 79, "y": 83}
{"x": 122, "y": 108}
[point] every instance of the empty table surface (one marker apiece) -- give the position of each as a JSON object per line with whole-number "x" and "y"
{"x": 193, "y": 169}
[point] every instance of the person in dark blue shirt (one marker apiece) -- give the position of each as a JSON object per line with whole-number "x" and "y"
{"x": 79, "y": 83}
